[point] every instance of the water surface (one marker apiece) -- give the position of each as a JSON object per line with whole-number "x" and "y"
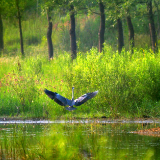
{"x": 86, "y": 139}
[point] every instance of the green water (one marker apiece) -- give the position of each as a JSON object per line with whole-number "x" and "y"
{"x": 111, "y": 141}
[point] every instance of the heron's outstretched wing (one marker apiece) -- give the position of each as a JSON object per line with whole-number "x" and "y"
{"x": 50, "y": 94}
{"x": 58, "y": 98}
{"x": 85, "y": 98}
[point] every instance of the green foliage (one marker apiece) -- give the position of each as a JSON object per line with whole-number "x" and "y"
{"x": 9, "y": 8}
{"x": 128, "y": 84}
{"x": 87, "y": 24}
{"x": 35, "y": 29}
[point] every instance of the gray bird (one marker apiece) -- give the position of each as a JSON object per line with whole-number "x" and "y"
{"x": 66, "y": 102}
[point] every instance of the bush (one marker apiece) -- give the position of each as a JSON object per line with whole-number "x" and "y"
{"x": 128, "y": 84}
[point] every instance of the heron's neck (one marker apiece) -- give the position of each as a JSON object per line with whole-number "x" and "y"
{"x": 72, "y": 93}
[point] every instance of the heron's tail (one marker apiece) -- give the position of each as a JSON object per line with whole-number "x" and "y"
{"x": 70, "y": 108}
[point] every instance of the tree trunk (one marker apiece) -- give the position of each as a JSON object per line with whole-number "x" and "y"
{"x": 120, "y": 35}
{"x": 1, "y": 34}
{"x": 131, "y": 33}
{"x": 152, "y": 27}
{"x": 158, "y": 16}
{"x": 20, "y": 27}
{"x": 73, "y": 34}
{"x": 102, "y": 26}
{"x": 49, "y": 37}
{"x": 158, "y": 23}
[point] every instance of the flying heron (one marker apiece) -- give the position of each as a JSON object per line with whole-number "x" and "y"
{"x": 66, "y": 102}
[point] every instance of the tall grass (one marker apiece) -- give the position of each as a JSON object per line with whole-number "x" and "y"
{"x": 128, "y": 84}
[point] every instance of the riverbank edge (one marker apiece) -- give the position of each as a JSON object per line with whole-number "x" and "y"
{"x": 98, "y": 120}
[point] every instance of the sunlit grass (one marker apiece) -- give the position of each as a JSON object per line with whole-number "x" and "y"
{"x": 128, "y": 84}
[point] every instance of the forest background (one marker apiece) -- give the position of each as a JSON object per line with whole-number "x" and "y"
{"x": 110, "y": 46}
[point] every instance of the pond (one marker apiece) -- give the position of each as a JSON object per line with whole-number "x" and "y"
{"x": 78, "y": 139}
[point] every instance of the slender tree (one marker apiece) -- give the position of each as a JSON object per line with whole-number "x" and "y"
{"x": 102, "y": 26}
{"x": 157, "y": 5}
{"x": 115, "y": 10}
{"x": 20, "y": 26}
{"x": 49, "y": 35}
{"x": 1, "y": 33}
{"x": 72, "y": 33}
{"x": 120, "y": 35}
{"x": 152, "y": 27}
{"x": 16, "y": 10}
{"x": 131, "y": 33}
{"x": 1, "y": 26}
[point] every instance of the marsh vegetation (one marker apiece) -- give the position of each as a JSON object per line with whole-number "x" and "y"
{"x": 128, "y": 84}
{"x": 128, "y": 81}
{"x": 114, "y": 52}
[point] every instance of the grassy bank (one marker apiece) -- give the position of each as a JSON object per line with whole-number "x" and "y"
{"x": 128, "y": 84}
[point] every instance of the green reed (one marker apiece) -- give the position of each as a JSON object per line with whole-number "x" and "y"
{"x": 128, "y": 84}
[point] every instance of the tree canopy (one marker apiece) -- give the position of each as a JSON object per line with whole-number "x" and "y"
{"x": 140, "y": 17}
